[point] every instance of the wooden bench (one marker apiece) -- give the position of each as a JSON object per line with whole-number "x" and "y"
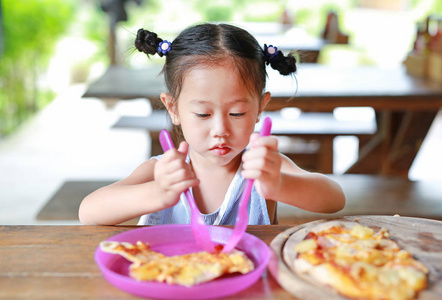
{"x": 366, "y": 195}
{"x": 317, "y": 130}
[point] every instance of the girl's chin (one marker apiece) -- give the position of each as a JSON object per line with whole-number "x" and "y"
{"x": 224, "y": 159}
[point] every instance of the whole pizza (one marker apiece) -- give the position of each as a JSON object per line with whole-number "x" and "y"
{"x": 360, "y": 257}
{"x": 359, "y": 262}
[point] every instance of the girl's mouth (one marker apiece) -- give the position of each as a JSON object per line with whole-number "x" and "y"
{"x": 220, "y": 150}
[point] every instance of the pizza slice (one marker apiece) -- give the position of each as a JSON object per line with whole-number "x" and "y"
{"x": 359, "y": 263}
{"x": 187, "y": 270}
{"x": 136, "y": 253}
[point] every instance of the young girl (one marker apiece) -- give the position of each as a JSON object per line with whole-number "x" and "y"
{"x": 215, "y": 75}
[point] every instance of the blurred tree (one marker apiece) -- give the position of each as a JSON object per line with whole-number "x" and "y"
{"x": 217, "y": 11}
{"x": 1, "y": 30}
{"x": 31, "y": 29}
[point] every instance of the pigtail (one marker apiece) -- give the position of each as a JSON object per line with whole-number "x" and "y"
{"x": 284, "y": 64}
{"x": 148, "y": 42}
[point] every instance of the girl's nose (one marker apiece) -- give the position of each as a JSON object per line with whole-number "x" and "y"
{"x": 220, "y": 127}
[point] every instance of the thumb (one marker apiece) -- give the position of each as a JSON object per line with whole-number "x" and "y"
{"x": 253, "y": 138}
{"x": 183, "y": 147}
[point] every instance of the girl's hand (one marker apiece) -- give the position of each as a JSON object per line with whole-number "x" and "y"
{"x": 262, "y": 162}
{"x": 173, "y": 175}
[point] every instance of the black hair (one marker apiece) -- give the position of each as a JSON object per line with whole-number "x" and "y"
{"x": 210, "y": 44}
{"x": 147, "y": 42}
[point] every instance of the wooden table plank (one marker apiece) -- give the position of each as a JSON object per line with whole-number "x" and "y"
{"x": 48, "y": 262}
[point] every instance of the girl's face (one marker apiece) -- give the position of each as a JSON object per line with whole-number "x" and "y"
{"x": 216, "y": 112}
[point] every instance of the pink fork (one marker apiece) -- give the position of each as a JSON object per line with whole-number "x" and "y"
{"x": 199, "y": 229}
{"x": 242, "y": 219}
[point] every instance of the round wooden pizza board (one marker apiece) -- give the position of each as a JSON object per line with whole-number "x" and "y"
{"x": 421, "y": 237}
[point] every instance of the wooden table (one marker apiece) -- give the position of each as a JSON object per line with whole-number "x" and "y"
{"x": 319, "y": 88}
{"x": 405, "y": 106}
{"x": 405, "y": 109}
{"x": 57, "y": 262}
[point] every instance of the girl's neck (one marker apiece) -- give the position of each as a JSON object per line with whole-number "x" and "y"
{"x": 214, "y": 181}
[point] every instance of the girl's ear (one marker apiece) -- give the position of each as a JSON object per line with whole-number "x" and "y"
{"x": 265, "y": 98}
{"x": 171, "y": 107}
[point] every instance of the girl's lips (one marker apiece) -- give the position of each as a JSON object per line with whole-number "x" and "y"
{"x": 221, "y": 150}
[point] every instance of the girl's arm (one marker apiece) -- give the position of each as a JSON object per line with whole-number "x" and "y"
{"x": 279, "y": 179}
{"x": 123, "y": 200}
{"x": 314, "y": 192}
{"x": 153, "y": 186}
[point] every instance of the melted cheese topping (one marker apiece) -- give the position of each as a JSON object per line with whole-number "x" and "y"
{"x": 187, "y": 270}
{"x": 360, "y": 263}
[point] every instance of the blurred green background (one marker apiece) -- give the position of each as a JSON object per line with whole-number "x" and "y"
{"x": 49, "y": 44}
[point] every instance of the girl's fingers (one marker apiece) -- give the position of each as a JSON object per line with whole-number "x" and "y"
{"x": 253, "y": 137}
{"x": 173, "y": 160}
{"x": 183, "y": 148}
{"x": 262, "y": 158}
{"x": 261, "y": 152}
{"x": 174, "y": 170}
{"x": 263, "y": 141}
{"x": 176, "y": 166}
{"x": 178, "y": 187}
{"x": 186, "y": 184}
{"x": 173, "y": 154}
{"x": 262, "y": 161}
{"x": 173, "y": 174}
{"x": 252, "y": 174}
{"x": 172, "y": 192}
{"x": 180, "y": 175}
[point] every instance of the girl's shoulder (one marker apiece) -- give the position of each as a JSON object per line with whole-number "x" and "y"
{"x": 150, "y": 163}
{"x": 144, "y": 172}
{"x": 156, "y": 157}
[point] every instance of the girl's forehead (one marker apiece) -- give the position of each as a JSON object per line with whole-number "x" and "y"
{"x": 213, "y": 77}
{"x": 211, "y": 71}
{"x": 215, "y": 83}
{"x": 216, "y": 66}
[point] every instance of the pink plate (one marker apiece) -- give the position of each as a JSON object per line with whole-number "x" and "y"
{"x": 178, "y": 239}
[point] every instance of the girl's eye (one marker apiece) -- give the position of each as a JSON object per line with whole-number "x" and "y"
{"x": 237, "y": 114}
{"x": 202, "y": 116}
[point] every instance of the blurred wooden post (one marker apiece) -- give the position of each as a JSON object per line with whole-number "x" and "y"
{"x": 332, "y": 33}
{"x": 116, "y": 12}
{"x": 112, "y": 45}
